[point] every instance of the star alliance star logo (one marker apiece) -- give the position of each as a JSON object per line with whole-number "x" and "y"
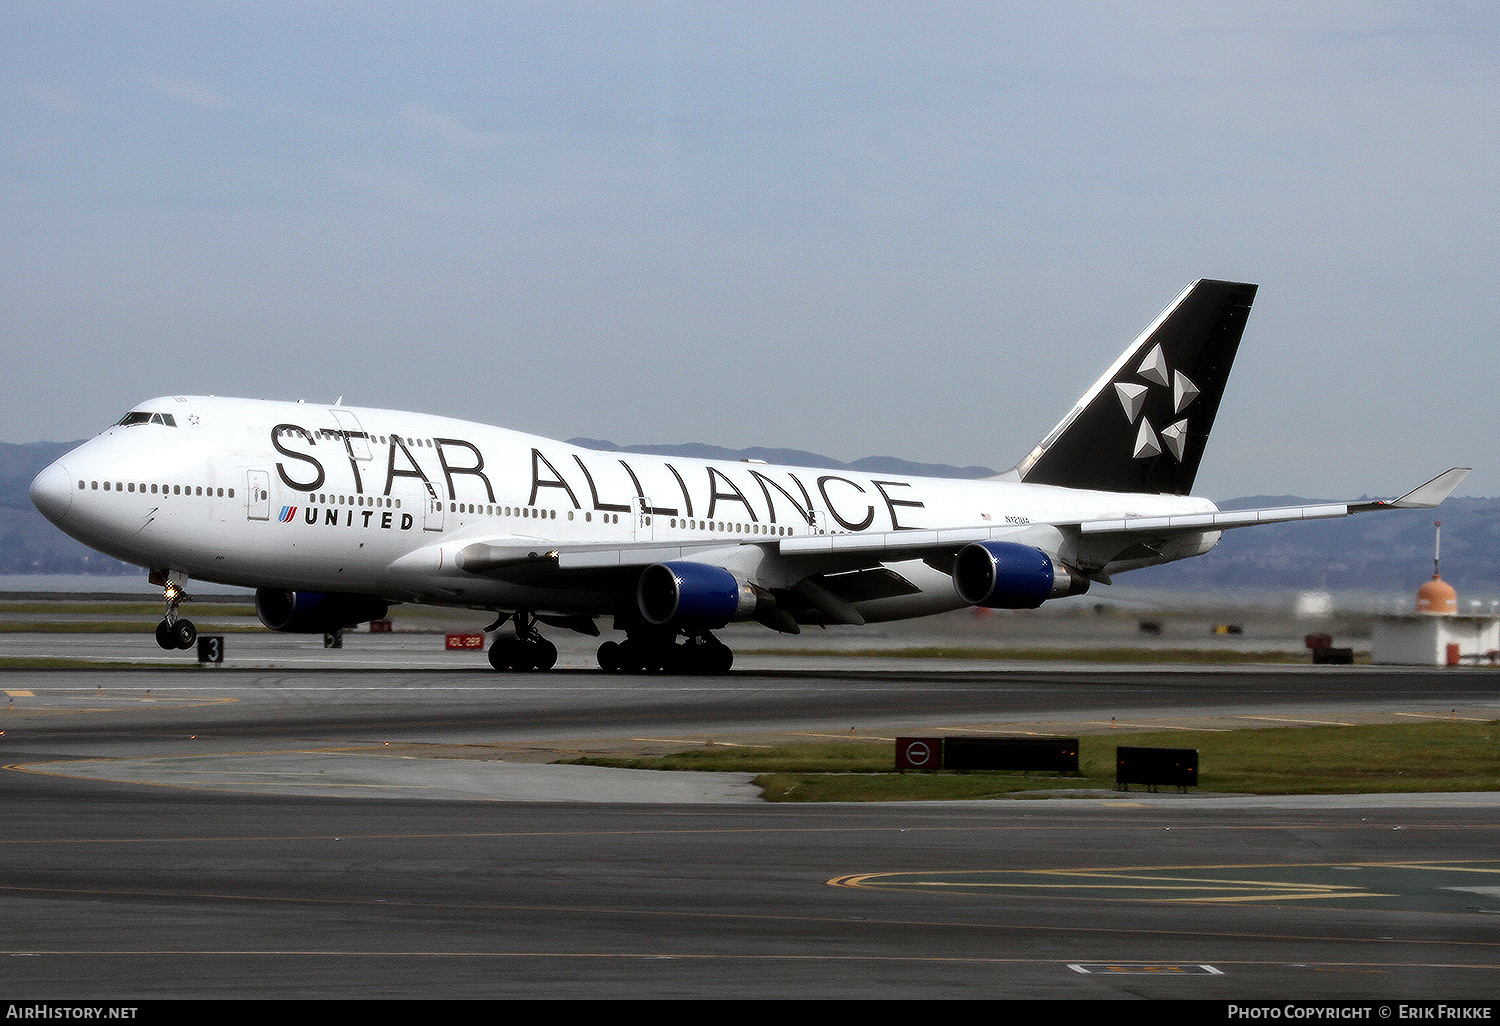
{"x": 1173, "y": 437}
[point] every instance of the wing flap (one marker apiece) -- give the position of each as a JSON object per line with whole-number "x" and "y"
{"x": 508, "y": 560}
{"x": 640, "y": 554}
{"x": 911, "y": 542}
{"x": 1220, "y": 521}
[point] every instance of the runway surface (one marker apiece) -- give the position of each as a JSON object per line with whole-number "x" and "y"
{"x": 311, "y": 831}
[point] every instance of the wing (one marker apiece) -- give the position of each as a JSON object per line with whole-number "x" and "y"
{"x": 833, "y": 552}
{"x": 1141, "y": 536}
{"x": 1094, "y": 545}
{"x": 830, "y": 578}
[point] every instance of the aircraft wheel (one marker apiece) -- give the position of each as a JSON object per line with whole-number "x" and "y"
{"x": 609, "y": 657}
{"x": 543, "y": 654}
{"x": 719, "y": 658}
{"x": 510, "y": 654}
{"x": 659, "y": 657}
{"x": 709, "y": 658}
{"x": 631, "y": 656}
{"x": 184, "y": 634}
{"x": 166, "y": 637}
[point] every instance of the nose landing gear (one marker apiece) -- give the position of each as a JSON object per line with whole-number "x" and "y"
{"x": 173, "y": 631}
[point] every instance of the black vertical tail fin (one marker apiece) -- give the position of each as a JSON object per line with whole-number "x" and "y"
{"x": 1142, "y": 426}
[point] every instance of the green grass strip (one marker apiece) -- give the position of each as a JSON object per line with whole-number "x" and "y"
{"x": 1436, "y": 756}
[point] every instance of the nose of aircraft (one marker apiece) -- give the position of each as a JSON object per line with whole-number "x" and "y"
{"x": 52, "y": 493}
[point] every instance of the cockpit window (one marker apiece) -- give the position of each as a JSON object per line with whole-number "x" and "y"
{"x": 141, "y": 417}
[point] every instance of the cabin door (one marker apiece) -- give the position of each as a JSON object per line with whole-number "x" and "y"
{"x": 258, "y": 494}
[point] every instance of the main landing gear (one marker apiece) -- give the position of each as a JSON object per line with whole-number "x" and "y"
{"x": 660, "y": 652}
{"x": 528, "y": 650}
{"x": 173, "y": 631}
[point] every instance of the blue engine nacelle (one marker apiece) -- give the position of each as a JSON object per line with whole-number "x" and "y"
{"x": 695, "y": 594}
{"x": 1008, "y": 575}
{"x": 310, "y": 612}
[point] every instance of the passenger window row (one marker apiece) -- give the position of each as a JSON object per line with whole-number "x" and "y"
{"x": 154, "y": 489}
{"x": 353, "y": 500}
{"x": 530, "y": 512}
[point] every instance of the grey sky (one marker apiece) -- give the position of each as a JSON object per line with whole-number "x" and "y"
{"x": 909, "y": 229}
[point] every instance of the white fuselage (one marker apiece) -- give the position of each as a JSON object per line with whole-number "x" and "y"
{"x": 304, "y": 497}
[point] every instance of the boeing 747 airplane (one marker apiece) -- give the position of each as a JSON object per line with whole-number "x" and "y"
{"x": 334, "y": 513}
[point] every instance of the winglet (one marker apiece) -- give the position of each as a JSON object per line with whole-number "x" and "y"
{"x": 1423, "y": 496}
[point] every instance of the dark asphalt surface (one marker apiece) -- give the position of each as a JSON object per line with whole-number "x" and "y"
{"x": 240, "y": 834}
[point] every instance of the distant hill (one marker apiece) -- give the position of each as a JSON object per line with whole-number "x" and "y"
{"x": 1386, "y": 551}
{"x": 792, "y": 457}
{"x": 28, "y": 543}
{"x": 1389, "y": 551}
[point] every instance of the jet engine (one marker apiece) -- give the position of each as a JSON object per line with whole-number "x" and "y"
{"x": 1008, "y": 575}
{"x": 693, "y": 594}
{"x": 309, "y": 612}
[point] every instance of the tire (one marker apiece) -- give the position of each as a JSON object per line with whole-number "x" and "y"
{"x": 543, "y": 654}
{"x": 502, "y": 653}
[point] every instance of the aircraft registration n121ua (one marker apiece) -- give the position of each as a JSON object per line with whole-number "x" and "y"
{"x": 333, "y": 514}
